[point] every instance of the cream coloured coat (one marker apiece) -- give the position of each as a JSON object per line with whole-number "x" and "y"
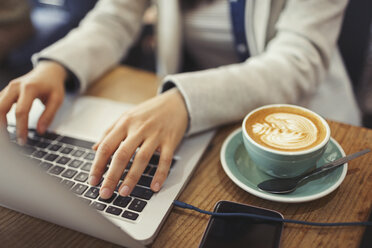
{"x": 294, "y": 58}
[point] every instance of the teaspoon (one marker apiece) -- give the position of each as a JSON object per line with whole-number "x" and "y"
{"x": 287, "y": 185}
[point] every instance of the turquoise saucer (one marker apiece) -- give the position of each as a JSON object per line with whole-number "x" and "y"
{"x": 244, "y": 173}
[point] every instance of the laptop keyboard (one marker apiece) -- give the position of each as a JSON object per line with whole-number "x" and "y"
{"x": 69, "y": 161}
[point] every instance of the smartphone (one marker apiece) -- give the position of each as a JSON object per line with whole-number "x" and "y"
{"x": 242, "y": 231}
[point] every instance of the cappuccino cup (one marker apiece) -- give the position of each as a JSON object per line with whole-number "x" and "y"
{"x": 285, "y": 140}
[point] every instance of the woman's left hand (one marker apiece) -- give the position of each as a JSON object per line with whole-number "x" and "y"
{"x": 158, "y": 124}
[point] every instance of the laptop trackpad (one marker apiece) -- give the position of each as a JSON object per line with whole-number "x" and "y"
{"x": 83, "y": 117}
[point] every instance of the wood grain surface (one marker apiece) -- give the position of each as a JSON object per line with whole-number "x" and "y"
{"x": 125, "y": 84}
{"x": 350, "y": 202}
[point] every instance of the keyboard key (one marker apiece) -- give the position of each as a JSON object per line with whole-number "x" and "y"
{"x": 32, "y": 142}
{"x": 99, "y": 206}
{"x": 69, "y": 173}
{"x": 130, "y": 215}
{"x": 118, "y": 186}
{"x": 124, "y": 175}
{"x": 50, "y": 136}
{"x": 54, "y": 147}
{"x": 145, "y": 181}
{"x": 79, "y": 188}
{"x": 45, "y": 166}
{"x": 56, "y": 170}
{"x": 51, "y": 157}
{"x": 66, "y": 150}
{"x": 39, "y": 154}
{"x": 99, "y": 184}
{"x": 142, "y": 193}
{"x": 82, "y": 177}
{"x": 43, "y": 144}
{"x": 75, "y": 163}
{"x": 122, "y": 201}
{"x": 63, "y": 160}
{"x": 148, "y": 168}
{"x": 89, "y": 156}
{"x": 87, "y": 166}
{"x": 113, "y": 210}
{"x": 108, "y": 200}
{"x": 92, "y": 193}
{"x": 105, "y": 169}
{"x": 129, "y": 165}
{"x": 67, "y": 183}
{"x": 152, "y": 171}
{"x": 154, "y": 159}
{"x": 77, "y": 142}
{"x": 137, "y": 205}
{"x": 78, "y": 153}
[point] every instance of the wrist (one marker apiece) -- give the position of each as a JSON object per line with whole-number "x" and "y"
{"x": 180, "y": 101}
{"x": 53, "y": 67}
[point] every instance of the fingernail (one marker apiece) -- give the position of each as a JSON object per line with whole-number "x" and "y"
{"x": 105, "y": 193}
{"x": 156, "y": 187}
{"x": 21, "y": 141}
{"x": 124, "y": 190}
{"x": 93, "y": 180}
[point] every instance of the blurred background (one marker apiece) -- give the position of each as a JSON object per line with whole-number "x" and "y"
{"x": 27, "y": 26}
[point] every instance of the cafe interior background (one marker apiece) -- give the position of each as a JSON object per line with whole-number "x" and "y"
{"x": 27, "y": 26}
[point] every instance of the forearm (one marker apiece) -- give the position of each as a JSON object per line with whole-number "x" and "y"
{"x": 288, "y": 71}
{"x": 100, "y": 41}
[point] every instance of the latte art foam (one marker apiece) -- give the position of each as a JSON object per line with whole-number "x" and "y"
{"x": 287, "y": 130}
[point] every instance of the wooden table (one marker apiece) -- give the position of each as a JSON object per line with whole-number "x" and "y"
{"x": 209, "y": 184}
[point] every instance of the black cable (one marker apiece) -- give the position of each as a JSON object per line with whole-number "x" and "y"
{"x": 262, "y": 217}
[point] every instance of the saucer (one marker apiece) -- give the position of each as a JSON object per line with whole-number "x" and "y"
{"x": 244, "y": 173}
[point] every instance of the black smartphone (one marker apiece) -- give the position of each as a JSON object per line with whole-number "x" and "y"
{"x": 242, "y": 231}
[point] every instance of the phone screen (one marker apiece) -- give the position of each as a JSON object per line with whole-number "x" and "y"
{"x": 241, "y": 231}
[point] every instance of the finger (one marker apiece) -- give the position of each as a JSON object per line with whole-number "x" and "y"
{"x": 51, "y": 107}
{"x": 165, "y": 161}
{"x": 105, "y": 133}
{"x": 7, "y": 99}
{"x": 24, "y": 103}
{"x": 140, "y": 162}
{"x": 107, "y": 147}
{"x": 119, "y": 162}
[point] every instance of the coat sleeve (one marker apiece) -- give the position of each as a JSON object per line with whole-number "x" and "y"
{"x": 289, "y": 70}
{"x": 100, "y": 41}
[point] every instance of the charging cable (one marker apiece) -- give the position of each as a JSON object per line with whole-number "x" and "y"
{"x": 256, "y": 216}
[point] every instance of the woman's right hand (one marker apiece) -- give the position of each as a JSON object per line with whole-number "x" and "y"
{"x": 46, "y": 82}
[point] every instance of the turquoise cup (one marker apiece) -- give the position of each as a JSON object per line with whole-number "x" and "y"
{"x": 284, "y": 164}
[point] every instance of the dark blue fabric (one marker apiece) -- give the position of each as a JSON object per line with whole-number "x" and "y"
{"x": 237, "y": 13}
{"x": 51, "y": 23}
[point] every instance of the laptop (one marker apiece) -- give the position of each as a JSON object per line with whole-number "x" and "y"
{"x": 47, "y": 178}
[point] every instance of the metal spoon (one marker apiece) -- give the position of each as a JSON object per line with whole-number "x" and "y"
{"x": 287, "y": 185}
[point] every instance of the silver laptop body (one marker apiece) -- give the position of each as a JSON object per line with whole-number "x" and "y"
{"x": 26, "y": 188}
